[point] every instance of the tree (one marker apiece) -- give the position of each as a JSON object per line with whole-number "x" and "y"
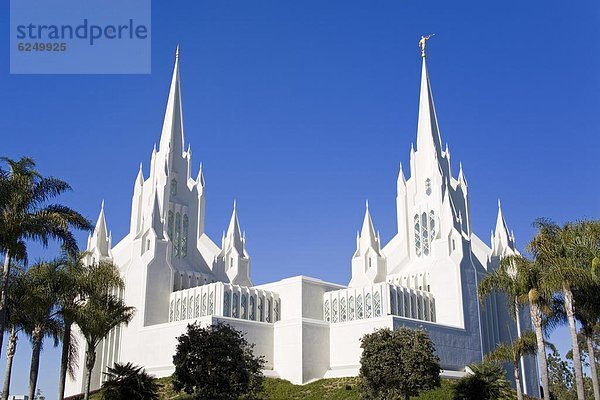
{"x": 100, "y": 312}
{"x": 561, "y": 377}
{"x": 24, "y": 215}
{"x": 216, "y": 362}
{"x": 129, "y": 382}
{"x": 512, "y": 353}
{"x": 486, "y": 381}
{"x": 522, "y": 280}
{"x": 77, "y": 280}
{"x": 556, "y": 249}
{"x": 398, "y": 364}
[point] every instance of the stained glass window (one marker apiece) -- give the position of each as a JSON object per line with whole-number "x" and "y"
{"x": 351, "y": 308}
{"x": 417, "y": 235}
{"x": 377, "y": 304}
{"x": 432, "y": 227}
{"x": 359, "y": 307}
{"x": 334, "y": 310}
{"x": 368, "y": 306}
{"x": 425, "y": 234}
{"x": 326, "y": 310}
{"x": 342, "y": 310}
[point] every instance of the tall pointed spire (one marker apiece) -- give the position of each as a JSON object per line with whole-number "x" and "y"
{"x": 234, "y": 233}
{"x": 172, "y": 139}
{"x": 99, "y": 241}
{"x": 368, "y": 238}
{"x": 157, "y": 222}
{"x": 503, "y": 242}
{"x": 428, "y": 135}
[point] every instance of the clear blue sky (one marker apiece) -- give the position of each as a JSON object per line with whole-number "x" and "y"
{"x": 302, "y": 110}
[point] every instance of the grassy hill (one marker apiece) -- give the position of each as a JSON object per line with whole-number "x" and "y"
{"x": 324, "y": 389}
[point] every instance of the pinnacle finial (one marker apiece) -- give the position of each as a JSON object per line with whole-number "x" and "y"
{"x": 102, "y": 205}
{"x": 234, "y": 204}
{"x": 367, "y": 204}
{"x": 423, "y": 43}
{"x": 177, "y": 52}
{"x": 499, "y": 205}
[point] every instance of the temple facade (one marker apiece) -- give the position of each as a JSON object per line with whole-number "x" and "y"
{"x": 426, "y": 276}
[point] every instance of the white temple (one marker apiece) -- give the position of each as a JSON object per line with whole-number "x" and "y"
{"x": 425, "y": 276}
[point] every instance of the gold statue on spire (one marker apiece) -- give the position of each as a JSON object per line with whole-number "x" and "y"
{"x": 423, "y": 42}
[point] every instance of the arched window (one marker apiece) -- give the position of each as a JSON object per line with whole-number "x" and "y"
{"x": 359, "y": 307}
{"x": 368, "y": 306}
{"x": 211, "y": 303}
{"x": 417, "y": 235}
{"x": 177, "y": 244}
{"x": 377, "y": 304}
{"x": 342, "y": 310}
{"x": 432, "y": 227}
{"x": 425, "y": 234}
{"x": 171, "y": 311}
{"x": 184, "y": 237}
{"x": 177, "y": 310}
{"x": 191, "y": 307}
{"x": 226, "y": 305}
{"x": 183, "y": 309}
{"x": 334, "y": 310}
{"x": 244, "y": 307}
{"x": 326, "y": 311}
{"x": 351, "y": 308}
{"x": 173, "y": 187}
{"x": 197, "y": 308}
{"x": 252, "y": 309}
{"x": 204, "y": 304}
{"x": 261, "y": 308}
{"x": 170, "y": 225}
{"x": 277, "y": 310}
{"x": 236, "y": 306}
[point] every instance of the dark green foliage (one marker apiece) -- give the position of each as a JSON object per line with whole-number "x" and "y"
{"x": 488, "y": 382}
{"x": 129, "y": 382}
{"x": 397, "y": 364}
{"x": 217, "y": 363}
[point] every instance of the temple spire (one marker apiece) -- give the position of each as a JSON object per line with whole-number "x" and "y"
{"x": 234, "y": 233}
{"x": 428, "y": 135}
{"x": 368, "y": 238}
{"x": 503, "y": 242}
{"x": 99, "y": 240}
{"x": 172, "y": 139}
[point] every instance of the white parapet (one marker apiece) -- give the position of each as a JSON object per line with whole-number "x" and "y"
{"x": 225, "y": 300}
{"x": 377, "y": 300}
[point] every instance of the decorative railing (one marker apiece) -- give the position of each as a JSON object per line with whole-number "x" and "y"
{"x": 374, "y": 301}
{"x": 226, "y": 300}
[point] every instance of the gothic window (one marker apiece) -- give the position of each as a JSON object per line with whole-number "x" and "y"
{"x": 368, "y": 306}
{"x": 261, "y": 308}
{"x": 425, "y": 234}
{"x": 269, "y": 308}
{"x": 359, "y": 307}
{"x": 170, "y": 225}
{"x": 191, "y": 307}
{"x": 377, "y": 304}
{"x": 432, "y": 227}
{"x": 197, "y": 308}
{"x": 177, "y": 243}
{"x": 171, "y": 311}
{"x": 236, "y": 306}
{"x": 173, "y": 187}
{"x": 326, "y": 310}
{"x": 244, "y": 307}
{"x": 183, "y": 309}
{"x": 277, "y": 310}
{"x": 211, "y": 303}
{"x": 417, "y": 235}
{"x": 226, "y": 304}
{"x": 204, "y": 305}
{"x": 177, "y": 310}
{"x": 334, "y": 311}
{"x": 351, "y": 308}
{"x": 252, "y": 309}
{"x": 184, "y": 237}
{"x": 428, "y": 186}
{"x": 342, "y": 310}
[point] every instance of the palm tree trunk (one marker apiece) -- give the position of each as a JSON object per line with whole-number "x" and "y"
{"x": 594, "y": 372}
{"x": 3, "y": 295}
{"x": 10, "y": 353}
{"x": 90, "y": 360}
{"x": 573, "y": 331}
{"x": 518, "y": 381}
{"x": 64, "y": 360}
{"x": 536, "y": 319}
{"x": 35, "y": 361}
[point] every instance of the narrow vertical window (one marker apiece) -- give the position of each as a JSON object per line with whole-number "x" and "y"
{"x": 184, "y": 237}
{"x": 359, "y": 307}
{"x": 417, "y": 235}
{"x": 326, "y": 311}
{"x": 277, "y": 310}
{"x": 252, "y": 309}
{"x": 211, "y": 303}
{"x": 226, "y": 305}
{"x": 170, "y": 225}
{"x": 204, "y": 305}
{"x": 432, "y": 227}
{"x": 177, "y": 310}
{"x": 343, "y": 309}
{"x": 171, "y": 311}
{"x": 368, "y": 306}
{"x": 377, "y": 304}
{"x": 261, "y": 309}
{"x": 191, "y": 307}
{"x": 173, "y": 187}
{"x": 269, "y": 304}
{"x": 244, "y": 307}
{"x": 236, "y": 306}
{"x": 428, "y": 186}
{"x": 334, "y": 310}
{"x": 197, "y": 307}
{"x": 351, "y": 308}
{"x": 183, "y": 309}
{"x": 425, "y": 234}
{"x": 177, "y": 244}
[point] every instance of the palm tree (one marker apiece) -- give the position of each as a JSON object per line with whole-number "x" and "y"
{"x": 512, "y": 353}
{"x": 24, "y": 215}
{"x": 521, "y": 280}
{"x": 100, "y": 312}
{"x": 77, "y": 279}
{"x": 556, "y": 249}
{"x": 42, "y": 320}
{"x": 485, "y": 381}
{"x": 129, "y": 382}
